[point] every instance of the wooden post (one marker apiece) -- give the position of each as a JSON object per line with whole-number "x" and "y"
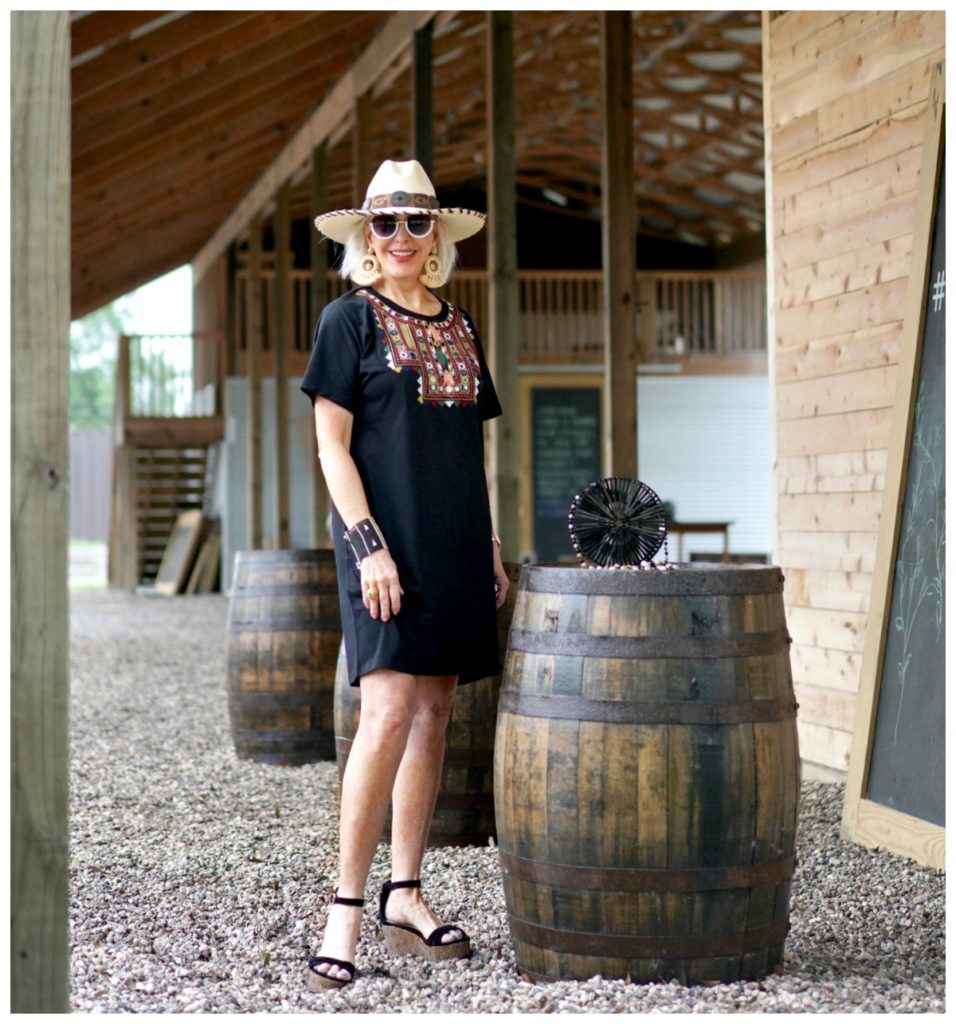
{"x": 125, "y": 557}
{"x": 503, "y": 279}
{"x": 282, "y": 332}
{"x": 254, "y": 374}
{"x": 362, "y": 127}
{"x": 39, "y": 635}
{"x": 618, "y": 247}
{"x": 422, "y": 100}
{"x": 231, "y": 364}
{"x": 319, "y": 532}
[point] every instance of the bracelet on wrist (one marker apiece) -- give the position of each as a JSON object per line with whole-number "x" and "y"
{"x": 365, "y": 538}
{"x": 496, "y": 538}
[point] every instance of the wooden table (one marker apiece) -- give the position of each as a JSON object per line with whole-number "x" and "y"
{"x": 715, "y": 527}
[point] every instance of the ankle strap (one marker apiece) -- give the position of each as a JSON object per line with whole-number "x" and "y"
{"x": 348, "y": 901}
{"x": 415, "y": 883}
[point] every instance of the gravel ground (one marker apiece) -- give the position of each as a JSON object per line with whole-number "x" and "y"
{"x": 200, "y": 882}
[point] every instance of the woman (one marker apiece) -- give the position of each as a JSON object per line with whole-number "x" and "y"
{"x": 400, "y": 391}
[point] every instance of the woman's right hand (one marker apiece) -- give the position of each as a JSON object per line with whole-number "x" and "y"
{"x": 381, "y": 591}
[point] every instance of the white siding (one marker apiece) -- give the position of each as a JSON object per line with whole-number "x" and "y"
{"x": 704, "y": 444}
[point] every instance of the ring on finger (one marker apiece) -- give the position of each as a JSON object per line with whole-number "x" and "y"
{"x": 372, "y": 594}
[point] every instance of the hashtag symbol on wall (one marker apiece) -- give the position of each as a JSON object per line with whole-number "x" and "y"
{"x": 939, "y": 290}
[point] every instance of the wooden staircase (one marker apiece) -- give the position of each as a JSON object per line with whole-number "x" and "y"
{"x": 162, "y": 466}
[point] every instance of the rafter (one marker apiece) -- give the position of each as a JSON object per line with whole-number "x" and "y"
{"x": 100, "y": 30}
{"x": 128, "y": 60}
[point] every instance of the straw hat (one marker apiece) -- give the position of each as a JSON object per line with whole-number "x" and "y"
{"x": 401, "y": 187}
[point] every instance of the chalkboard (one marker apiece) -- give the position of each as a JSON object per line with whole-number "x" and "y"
{"x": 566, "y": 456}
{"x": 907, "y": 763}
{"x": 895, "y": 791}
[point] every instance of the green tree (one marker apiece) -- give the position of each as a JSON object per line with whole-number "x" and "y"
{"x": 93, "y": 349}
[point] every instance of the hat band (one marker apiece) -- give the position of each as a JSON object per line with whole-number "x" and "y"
{"x": 401, "y": 199}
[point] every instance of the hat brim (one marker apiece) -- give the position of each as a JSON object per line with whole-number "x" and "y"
{"x": 455, "y": 223}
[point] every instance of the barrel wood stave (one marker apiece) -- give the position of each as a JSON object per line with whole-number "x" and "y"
{"x": 694, "y": 799}
{"x": 284, "y": 631}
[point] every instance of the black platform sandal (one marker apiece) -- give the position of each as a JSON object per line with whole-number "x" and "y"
{"x": 403, "y": 939}
{"x": 315, "y": 980}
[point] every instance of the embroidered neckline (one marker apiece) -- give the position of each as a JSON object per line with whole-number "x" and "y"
{"x": 440, "y": 350}
{"x": 441, "y": 318}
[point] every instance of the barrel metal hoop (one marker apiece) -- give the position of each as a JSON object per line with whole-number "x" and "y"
{"x": 240, "y": 700}
{"x": 739, "y": 645}
{"x": 302, "y": 589}
{"x": 652, "y": 712}
{"x": 613, "y": 880}
{"x": 648, "y": 946}
{"x": 446, "y": 801}
{"x": 269, "y": 622}
{"x": 722, "y": 580}
{"x": 269, "y": 556}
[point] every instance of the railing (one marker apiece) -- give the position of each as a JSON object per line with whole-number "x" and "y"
{"x": 156, "y": 373}
{"x": 677, "y": 313}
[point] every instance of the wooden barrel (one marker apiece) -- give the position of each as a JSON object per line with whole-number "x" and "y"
{"x": 284, "y": 634}
{"x": 647, "y": 774}
{"x": 465, "y": 808}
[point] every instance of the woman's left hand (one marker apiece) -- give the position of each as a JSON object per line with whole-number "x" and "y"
{"x": 501, "y": 577}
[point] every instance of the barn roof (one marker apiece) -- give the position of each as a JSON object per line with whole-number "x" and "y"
{"x": 176, "y": 115}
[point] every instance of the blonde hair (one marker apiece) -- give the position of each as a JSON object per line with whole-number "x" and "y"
{"x": 356, "y": 248}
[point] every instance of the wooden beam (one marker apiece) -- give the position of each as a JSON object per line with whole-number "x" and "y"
{"x": 254, "y": 365}
{"x": 40, "y": 511}
{"x": 166, "y": 432}
{"x": 423, "y": 143}
{"x": 648, "y": 56}
{"x": 231, "y": 326}
{"x": 618, "y": 245}
{"x": 281, "y": 340}
{"x": 503, "y": 279}
{"x": 363, "y": 126}
{"x": 383, "y": 49}
{"x": 318, "y": 191}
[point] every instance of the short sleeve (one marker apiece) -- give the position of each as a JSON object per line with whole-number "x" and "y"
{"x": 488, "y": 405}
{"x": 333, "y": 368}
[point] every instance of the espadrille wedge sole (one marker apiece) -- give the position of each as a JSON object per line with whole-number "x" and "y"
{"x": 404, "y": 940}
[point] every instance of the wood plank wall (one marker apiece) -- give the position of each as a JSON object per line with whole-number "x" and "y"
{"x": 845, "y": 105}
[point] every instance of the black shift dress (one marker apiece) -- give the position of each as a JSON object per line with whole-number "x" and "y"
{"x": 419, "y": 391}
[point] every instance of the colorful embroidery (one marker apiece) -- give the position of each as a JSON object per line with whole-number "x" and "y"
{"x": 442, "y": 353}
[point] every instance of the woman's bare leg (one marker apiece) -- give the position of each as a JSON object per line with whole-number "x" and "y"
{"x": 388, "y": 711}
{"x": 413, "y": 799}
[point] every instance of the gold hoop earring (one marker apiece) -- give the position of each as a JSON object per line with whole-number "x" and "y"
{"x": 369, "y": 270}
{"x": 432, "y": 276}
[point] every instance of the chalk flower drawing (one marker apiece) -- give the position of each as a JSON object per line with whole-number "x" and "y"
{"x": 920, "y": 575}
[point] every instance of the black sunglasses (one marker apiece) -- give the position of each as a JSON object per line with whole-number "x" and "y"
{"x": 418, "y": 225}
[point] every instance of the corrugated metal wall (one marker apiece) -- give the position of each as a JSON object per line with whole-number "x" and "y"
{"x": 91, "y": 477}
